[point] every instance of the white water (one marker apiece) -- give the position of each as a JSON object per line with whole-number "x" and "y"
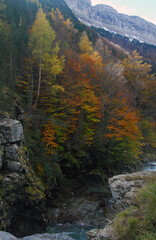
{"x": 151, "y": 166}
{"x": 74, "y": 231}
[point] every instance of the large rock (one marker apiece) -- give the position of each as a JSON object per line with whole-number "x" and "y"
{"x": 101, "y": 234}
{"x": 124, "y": 187}
{"x": 45, "y": 236}
{"x": 7, "y": 236}
{"x": 10, "y": 131}
{"x": 12, "y": 152}
{"x": 14, "y": 166}
{"x": 87, "y": 209}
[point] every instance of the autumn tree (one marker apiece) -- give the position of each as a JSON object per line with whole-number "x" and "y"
{"x": 41, "y": 40}
{"x": 138, "y": 78}
{"x": 74, "y": 110}
{"x": 65, "y": 31}
{"x": 85, "y": 45}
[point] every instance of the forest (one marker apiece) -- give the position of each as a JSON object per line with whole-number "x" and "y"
{"x": 88, "y": 108}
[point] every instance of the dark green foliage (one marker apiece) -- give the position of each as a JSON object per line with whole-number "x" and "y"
{"x": 19, "y": 16}
{"x": 147, "y": 51}
{"x": 70, "y": 100}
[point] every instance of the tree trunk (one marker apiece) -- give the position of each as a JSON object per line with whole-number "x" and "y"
{"x": 39, "y": 84}
{"x": 32, "y": 84}
{"x": 11, "y": 69}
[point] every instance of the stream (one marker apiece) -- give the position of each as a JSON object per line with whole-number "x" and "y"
{"x": 150, "y": 166}
{"x": 74, "y": 231}
{"x": 78, "y": 232}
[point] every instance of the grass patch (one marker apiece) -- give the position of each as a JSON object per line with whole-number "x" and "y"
{"x": 139, "y": 222}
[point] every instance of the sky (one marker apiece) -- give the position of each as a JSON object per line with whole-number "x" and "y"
{"x": 142, "y": 8}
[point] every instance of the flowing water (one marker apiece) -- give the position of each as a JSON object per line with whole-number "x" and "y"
{"x": 74, "y": 231}
{"x": 150, "y": 166}
{"x": 78, "y": 232}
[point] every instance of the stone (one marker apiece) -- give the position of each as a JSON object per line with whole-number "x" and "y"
{"x": 11, "y": 130}
{"x": 13, "y": 166}
{"x": 6, "y": 236}
{"x": 12, "y": 152}
{"x": 124, "y": 187}
{"x": 101, "y": 234}
{"x": 45, "y": 236}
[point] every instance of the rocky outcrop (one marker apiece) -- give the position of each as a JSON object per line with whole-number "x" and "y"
{"x": 106, "y": 17}
{"x": 125, "y": 187}
{"x": 86, "y": 209}
{"x": 19, "y": 187}
{"x": 10, "y": 130}
{"x": 11, "y": 136}
{"x": 101, "y": 234}
{"x": 46, "y": 236}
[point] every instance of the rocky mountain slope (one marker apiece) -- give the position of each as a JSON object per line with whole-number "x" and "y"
{"x": 106, "y": 17}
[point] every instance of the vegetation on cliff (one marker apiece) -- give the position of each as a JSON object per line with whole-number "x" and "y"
{"x": 138, "y": 223}
{"x": 89, "y": 108}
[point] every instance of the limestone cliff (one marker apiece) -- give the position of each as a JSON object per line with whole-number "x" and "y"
{"x": 20, "y": 191}
{"x": 106, "y": 17}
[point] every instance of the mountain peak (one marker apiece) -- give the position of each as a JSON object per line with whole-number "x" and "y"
{"x": 106, "y": 17}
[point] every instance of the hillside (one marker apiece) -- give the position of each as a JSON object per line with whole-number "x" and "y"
{"x": 86, "y": 105}
{"x": 106, "y": 17}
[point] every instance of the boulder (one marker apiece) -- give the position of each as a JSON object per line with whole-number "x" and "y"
{"x": 6, "y": 236}
{"x": 101, "y": 234}
{"x": 45, "y": 236}
{"x": 10, "y": 130}
{"x": 124, "y": 187}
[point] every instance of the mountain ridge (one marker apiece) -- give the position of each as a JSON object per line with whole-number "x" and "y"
{"x": 106, "y": 17}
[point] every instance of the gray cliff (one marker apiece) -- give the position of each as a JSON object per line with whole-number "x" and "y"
{"x": 20, "y": 191}
{"x": 103, "y": 16}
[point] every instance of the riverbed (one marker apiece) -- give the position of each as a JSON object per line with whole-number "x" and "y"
{"x": 77, "y": 232}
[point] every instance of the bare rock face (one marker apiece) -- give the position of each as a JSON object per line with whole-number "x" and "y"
{"x": 45, "y": 236}
{"x": 11, "y": 136}
{"x": 16, "y": 177}
{"x": 125, "y": 187}
{"x": 7, "y": 236}
{"x": 12, "y": 152}
{"x": 104, "y": 16}
{"x": 10, "y": 130}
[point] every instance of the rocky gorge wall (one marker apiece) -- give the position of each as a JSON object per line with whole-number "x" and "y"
{"x": 20, "y": 191}
{"x": 124, "y": 189}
